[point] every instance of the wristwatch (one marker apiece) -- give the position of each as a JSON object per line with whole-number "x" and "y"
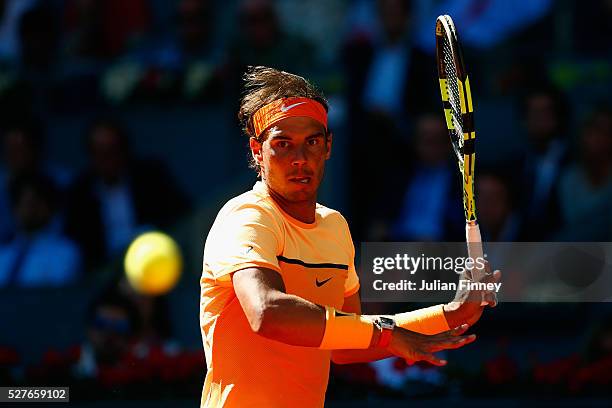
{"x": 386, "y": 326}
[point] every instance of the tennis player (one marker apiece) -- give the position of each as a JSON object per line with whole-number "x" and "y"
{"x": 279, "y": 291}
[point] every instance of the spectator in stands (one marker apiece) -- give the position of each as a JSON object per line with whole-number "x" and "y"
{"x": 118, "y": 196}
{"x": 595, "y": 375}
{"x": 116, "y": 356}
{"x": 587, "y": 25}
{"x": 101, "y": 29}
{"x": 414, "y": 380}
{"x": 23, "y": 154}
{"x": 588, "y": 372}
{"x": 599, "y": 345}
{"x": 261, "y": 40}
{"x": 546, "y": 120}
{"x": 11, "y": 12}
{"x": 428, "y": 202}
{"x": 38, "y": 37}
{"x": 385, "y": 87}
{"x": 187, "y": 62}
{"x": 585, "y": 189}
{"x": 112, "y": 324}
{"x": 194, "y": 38}
{"x": 153, "y": 314}
{"x": 497, "y": 217}
{"x": 197, "y": 51}
{"x": 38, "y": 255}
{"x": 386, "y": 70}
{"x": 9, "y": 359}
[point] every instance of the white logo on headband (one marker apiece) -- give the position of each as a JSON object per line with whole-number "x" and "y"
{"x": 286, "y": 108}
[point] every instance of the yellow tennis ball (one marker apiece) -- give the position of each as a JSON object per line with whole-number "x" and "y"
{"x": 153, "y": 263}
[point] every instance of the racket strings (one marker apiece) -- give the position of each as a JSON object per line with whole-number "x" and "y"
{"x": 454, "y": 99}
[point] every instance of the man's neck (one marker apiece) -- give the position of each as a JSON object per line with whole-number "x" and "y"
{"x": 303, "y": 211}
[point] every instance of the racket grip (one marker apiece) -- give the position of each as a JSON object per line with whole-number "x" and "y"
{"x": 474, "y": 246}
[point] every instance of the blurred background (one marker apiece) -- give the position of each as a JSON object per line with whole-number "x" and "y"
{"x": 119, "y": 116}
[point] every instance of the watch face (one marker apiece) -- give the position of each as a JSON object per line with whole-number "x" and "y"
{"x": 386, "y": 323}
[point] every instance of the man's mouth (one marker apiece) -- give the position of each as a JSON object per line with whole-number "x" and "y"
{"x": 301, "y": 180}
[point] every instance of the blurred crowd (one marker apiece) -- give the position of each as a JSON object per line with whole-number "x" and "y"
{"x": 82, "y": 220}
{"x": 557, "y": 189}
{"x": 71, "y": 55}
{"x": 375, "y": 62}
{"x": 127, "y": 351}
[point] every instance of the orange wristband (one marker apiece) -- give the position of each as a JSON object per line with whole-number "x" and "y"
{"x": 430, "y": 320}
{"x": 346, "y": 331}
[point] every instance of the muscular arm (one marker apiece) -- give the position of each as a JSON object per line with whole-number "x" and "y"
{"x": 290, "y": 319}
{"x": 274, "y": 314}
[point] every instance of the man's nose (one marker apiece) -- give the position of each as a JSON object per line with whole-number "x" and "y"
{"x": 300, "y": 156}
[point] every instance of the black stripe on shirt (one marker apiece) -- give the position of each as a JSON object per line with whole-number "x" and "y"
{"x": 311, "y": 265}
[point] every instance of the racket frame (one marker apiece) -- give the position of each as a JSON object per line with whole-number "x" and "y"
{"x": 466, "y": 153}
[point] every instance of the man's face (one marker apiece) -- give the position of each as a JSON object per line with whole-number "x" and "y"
{"x": 292, "y": 158}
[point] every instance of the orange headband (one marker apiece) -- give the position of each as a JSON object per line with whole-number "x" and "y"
{"x": 284, "y": 108}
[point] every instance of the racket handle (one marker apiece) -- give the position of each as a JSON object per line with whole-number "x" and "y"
{"x": 474, "y": 246}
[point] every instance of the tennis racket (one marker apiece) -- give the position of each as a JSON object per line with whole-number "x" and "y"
{"x": 459, "y": 113}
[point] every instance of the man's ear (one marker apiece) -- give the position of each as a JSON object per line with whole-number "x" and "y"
{"x": 328, "y": 143}
{"x": 256, "y": 150}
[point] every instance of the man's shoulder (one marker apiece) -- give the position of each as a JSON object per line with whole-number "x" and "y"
{"x": 250, "y": 197}
{"x": 329, "y": 215}
{"x": 250, "y": 201}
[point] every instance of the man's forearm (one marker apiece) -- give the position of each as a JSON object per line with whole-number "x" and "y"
{"x": 290, "y": 319}
{"x": 293, "y": 320}
{"x": 292, "y": 325}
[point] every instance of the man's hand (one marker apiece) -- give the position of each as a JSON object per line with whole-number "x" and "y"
{"x": 468, "y": 305}
{"x": 413, "y": 346}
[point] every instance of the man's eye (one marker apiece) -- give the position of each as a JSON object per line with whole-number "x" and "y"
{"x": 313, "y": 142}
{"x": 283, "y": 144}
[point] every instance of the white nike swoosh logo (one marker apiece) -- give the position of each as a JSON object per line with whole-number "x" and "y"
{"x": 286, "y": 108}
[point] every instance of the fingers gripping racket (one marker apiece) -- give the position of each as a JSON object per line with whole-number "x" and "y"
{"x": 459, "y": 113}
